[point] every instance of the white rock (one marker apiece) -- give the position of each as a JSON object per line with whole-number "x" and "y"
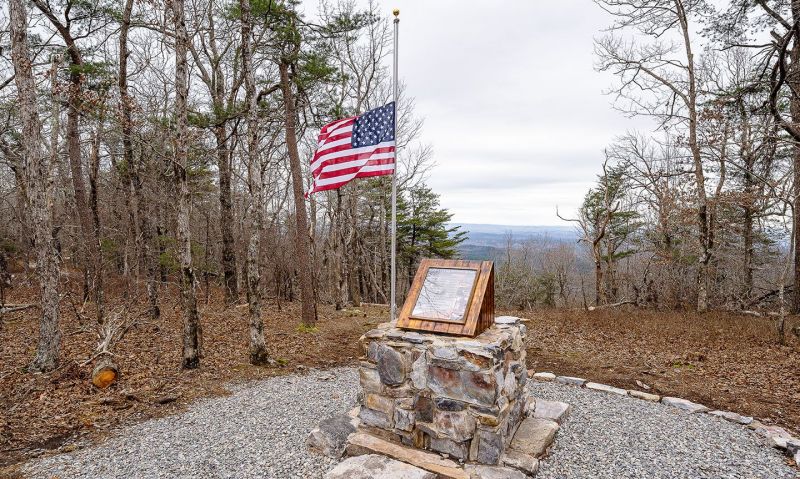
{"x": 643, "y": 395}
{"x": 506, "y": 320}
{"x": 493, "y": 472}
{"x": 373, "y": 466}
{"x": 571, "y": 380}
{"x": 732, "y": 417}
{"x": 776, "y": 436}
{"x": 607, "y": 389}
{"x": 553, "y": 410}
{"x": 544, "y": 376}
{"x": 683, "y": 404}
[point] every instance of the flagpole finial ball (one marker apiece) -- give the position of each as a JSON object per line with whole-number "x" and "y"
{"x": 396, "y": 12}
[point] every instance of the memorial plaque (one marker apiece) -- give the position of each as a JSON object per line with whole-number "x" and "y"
{"x": 445, "y": 295}
{"x": 451, "y": 297}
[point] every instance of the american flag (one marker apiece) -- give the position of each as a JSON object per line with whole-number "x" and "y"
{"x": 355, "y": 147}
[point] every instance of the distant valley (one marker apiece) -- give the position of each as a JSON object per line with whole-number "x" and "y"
{"x": 488, "y": 242}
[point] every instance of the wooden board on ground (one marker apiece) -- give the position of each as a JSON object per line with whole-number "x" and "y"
{"x": 363, "y": 443}
{"x": 450, "y": 297}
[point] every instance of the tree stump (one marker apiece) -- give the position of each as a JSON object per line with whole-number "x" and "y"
{"x": 104, "y": 373}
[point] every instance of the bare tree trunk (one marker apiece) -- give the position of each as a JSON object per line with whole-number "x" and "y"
{"x": 73, "y": 148}
{"x": 599, "y": 282}
{"x": 191, "y": 318}
{"x": 40, "y": 193}
{"x": 226, "y": 216}
{"x": 704, "y": 256}
{"x": 780, "y": 325}
{"x": 338, "y": 253}
{"x": 793, "y": 80}
{"x": 351, "y": 262}
{"x": 750, "y": 192}
{"x": 149, "y": 256}
{"x": 303, "y": 249}
{"x": 97, "y": 256}
{"x": 255, "y": 176}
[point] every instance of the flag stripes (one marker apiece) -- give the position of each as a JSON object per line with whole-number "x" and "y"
{"x": 356, "y": 147}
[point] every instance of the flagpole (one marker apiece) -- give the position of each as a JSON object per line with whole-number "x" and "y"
{"x": 393, "y": 275}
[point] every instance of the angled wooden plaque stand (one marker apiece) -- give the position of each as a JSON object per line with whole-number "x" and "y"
{"x": 450, "y": 297}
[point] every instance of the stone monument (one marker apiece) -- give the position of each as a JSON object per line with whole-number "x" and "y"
{"x": 456, "y": 395}
{"x": 442, "y": 387}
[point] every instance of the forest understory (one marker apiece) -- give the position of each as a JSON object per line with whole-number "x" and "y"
{"x": 722, "y": 360}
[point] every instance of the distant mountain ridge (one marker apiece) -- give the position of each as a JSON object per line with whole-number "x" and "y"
{"x": 487, "y": 241}
{"x": 526, "y": 231}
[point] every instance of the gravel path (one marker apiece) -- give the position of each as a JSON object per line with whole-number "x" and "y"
{"x": 608, "y": 436}
{"x": 260, "y": 431}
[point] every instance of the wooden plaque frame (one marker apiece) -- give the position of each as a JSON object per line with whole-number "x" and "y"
{"x": 480, "y": 307}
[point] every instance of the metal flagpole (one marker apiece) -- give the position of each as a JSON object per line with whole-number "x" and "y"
{"x": 394, "y": 175}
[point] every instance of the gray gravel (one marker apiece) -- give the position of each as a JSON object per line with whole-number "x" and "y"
{"x": 258, "y": 432}
{"x": 608, "y": 436}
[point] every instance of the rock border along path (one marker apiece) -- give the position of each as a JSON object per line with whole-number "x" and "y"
{"x": 774, "y": 436}
{"x": 260, "y": 432}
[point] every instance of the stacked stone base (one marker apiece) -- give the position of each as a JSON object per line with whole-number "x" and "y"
{"x": 464, "y": 397}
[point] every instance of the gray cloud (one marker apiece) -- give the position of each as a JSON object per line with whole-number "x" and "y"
{"x": 512, "y": 104}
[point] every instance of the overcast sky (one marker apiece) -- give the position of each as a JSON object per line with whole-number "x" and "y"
{"x": 512, "y": 105}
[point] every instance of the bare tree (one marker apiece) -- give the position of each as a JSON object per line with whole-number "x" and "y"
{"x": 667, "y": 71}
{"x": 39, "y": 187}
{"x": 191, "y": 317}
{"x": 255, "y": 181}
{"x": 302, "y": 244}
{"x": 91, "y": 241}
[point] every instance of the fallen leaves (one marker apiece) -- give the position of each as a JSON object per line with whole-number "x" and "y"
{"x": 47, "y": 411}
{"x": 722, "y": 360}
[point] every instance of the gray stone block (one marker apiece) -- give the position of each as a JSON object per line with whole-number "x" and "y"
{"x": 544, "y": 376}
{"x": 374, "y": 466}
{"x": 573, "y": 381}
{"x": 489, "y": 447}
{"x": 458, "y": 450}
{"x": 518, "y": 460}
{"x": 732, "y": 417}
{"x": 683, "y": 404}
{"x": 644, "y": 396}
{"x": 391, "y": 366}
{"x": 330, "y": 437}
{"x": 374, "y": 418}
{"x": 553, "y": 410}
{"x": 492, "y": 472}
{"x": 606, "y": 389}
{"x": 534, "y": 436}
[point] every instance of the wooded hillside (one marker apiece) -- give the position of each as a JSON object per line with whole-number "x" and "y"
{"x": 167, "y": 144}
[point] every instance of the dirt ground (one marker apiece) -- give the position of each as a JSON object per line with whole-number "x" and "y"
{"x": 721, "y": 360}
{"x": 41, "y": 412}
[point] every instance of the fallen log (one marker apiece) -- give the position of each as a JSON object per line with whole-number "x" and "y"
{"x": 757, "y": 314}
{"x": 10, "y": 308}
{"x": 612, "y": 305}
{"x": 104, "y": 373}
{"x": 769, "y": 294}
